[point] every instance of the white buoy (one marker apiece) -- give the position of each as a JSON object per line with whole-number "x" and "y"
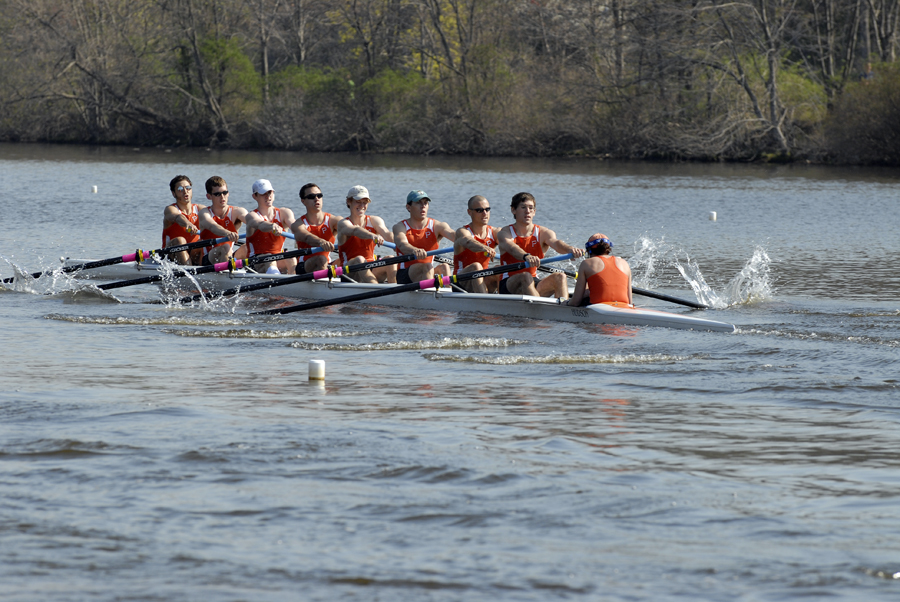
{"x": 94, "y": 189}
{"x": 712, "y": 216}
{"x": 316, "y": 369}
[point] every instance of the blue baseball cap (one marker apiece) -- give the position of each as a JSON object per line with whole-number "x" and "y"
{"x": 415, "y": 196}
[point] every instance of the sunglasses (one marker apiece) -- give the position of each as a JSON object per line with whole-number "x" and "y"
{"x": 182, "y": 188}
{"x": 220, "y": 193}
{"x": 311, "y": 197}
{"x": 482, "y": 209}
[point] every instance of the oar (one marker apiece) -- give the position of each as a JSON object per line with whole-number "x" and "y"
{"x": 328, "y": 272}
{"x": 437, "y": 282}
{"x": 233, "y": 264}
{"x": 138, "y": 256}
{"x": 635, "y": 290}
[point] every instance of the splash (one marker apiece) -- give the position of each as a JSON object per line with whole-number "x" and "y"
{"x": 509, "y": 360}
{"x": 245, "y": 333}
{"x": 154, "y": 321}
{"x": 653, "y": 258}
{"x": 753, "y": 283}
{"x": 54, "y": 282}
{"x": 445, "y": 343}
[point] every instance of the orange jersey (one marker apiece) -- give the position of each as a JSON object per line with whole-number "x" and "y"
{"x": 227, "y": 221}
{"x": 424, "y": 238}
{"x": 263, "y": 243}
{"x": 467, "y": 257}
{"x": 610, "y": 285}
{"x": 176, "y": 230}
{"x": 323, "y": 231}
{"x": 354, "y": 246}
{"x": 530, "y": 244}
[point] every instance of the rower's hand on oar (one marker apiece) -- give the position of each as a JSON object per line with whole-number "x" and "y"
{"x": 420, "y": 253}
{"x": 532, "y": 260}
{"x": 577, "y": 252}
{"x": 379, "y": 240}
{"x": 232, "y": 236}
{"x": 326, "y": 246}
{"x": 490, "y": 253}
{"x": 276, "y": 229}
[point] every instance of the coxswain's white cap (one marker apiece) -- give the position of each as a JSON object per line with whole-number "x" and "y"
{"x": 358, "y": 192}
{"x": 262, "y": 186}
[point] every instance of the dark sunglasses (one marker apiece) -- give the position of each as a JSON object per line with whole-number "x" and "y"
{"x": 310, "y": 197}
{"x": 481, "y": 209}
{"x": 220, "y": 193}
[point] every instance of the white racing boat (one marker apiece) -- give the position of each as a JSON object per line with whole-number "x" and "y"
{"x": 444, "y": 299}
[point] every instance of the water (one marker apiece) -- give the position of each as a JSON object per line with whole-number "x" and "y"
{"x": 158, "y": 453}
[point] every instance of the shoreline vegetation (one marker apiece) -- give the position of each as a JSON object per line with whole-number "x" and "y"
{"x": 669, "y": 80}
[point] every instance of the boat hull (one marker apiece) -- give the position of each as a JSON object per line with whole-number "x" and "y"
{"x": 524, "y": 306}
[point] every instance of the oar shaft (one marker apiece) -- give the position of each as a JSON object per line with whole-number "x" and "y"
{"x": 437, "y": 281}
{"x": 182, "y": 272}
{"x": 136, "y": 256}
{"x": 639, "y": 291}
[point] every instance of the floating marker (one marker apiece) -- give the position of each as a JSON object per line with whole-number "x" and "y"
{"x": 712, "y": 216}
{"x": 94, "y": 189}
{"x": 316, "y": 369}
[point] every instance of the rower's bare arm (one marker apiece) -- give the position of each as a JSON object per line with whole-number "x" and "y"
{"x": 508, "y": 245}
{"x": 347, "y": 228}
{"x": 444, "y": 229}
{"x": 287, "y": 218}
{"x": 403, "y": 244}
{"x": 580, "y": 287}
{"x": 549, "y": 239}
{"x": 465, "y": 239}
{"x": 173, "y": 215}
{"x": 208, "y": 223}
{"x": 381, "y": 228}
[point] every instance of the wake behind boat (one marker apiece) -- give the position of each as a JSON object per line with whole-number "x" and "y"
{"x": 444, "y": 299}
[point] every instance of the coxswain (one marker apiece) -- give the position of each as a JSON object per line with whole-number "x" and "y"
{"x": 359, "y": 233}
{"x": 526, "y": 241}
{"x": 604, "y": 277}
{"x": 476, "y": 246}
{"x": 264, "y": 227}
{"x": 418, "y": 235}
{"x": 221, "y": 220}
{"x": 181, "y": 222}
{"x": 315, "y": 228}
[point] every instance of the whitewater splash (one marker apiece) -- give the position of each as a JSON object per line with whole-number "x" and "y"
{"x": 751, "y": 285}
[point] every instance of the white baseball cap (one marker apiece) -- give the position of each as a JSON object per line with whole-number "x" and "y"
{"x": 262, "y": 186}
{"x": 358, "y": 192}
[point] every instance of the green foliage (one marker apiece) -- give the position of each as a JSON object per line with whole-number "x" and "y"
{"x": 864, "y": 125}
{"x": 238, "y": 85}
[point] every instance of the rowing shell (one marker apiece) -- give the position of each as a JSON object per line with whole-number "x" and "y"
{"x": 523, "y": 306}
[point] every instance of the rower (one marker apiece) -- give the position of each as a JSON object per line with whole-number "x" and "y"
{"x": 181, "y": 222}
{"x": 607, "y": 279}
{"x": 220, "y": 220}
{"x": 475, "y": 247}
{"x": 316, "y": 228}
{"x": 359, "y": 233}
{"x": 526, "y": 241}
{"x": 418, "y": 235}
{"x": 264, "y": 227}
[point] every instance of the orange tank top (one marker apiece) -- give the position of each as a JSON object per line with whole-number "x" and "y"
{"x": 226, "y": 221}
{"x": 610, "y": 285}
{"x": 176, "y": 230}
{"x": 423, "y": 238}
{"x": 468, "y": 257}
{"x": 263, "y": 243}
{"x": 323, "y": 231}
{"x": 530, "y": 244}
{"x": 353, "y": 246}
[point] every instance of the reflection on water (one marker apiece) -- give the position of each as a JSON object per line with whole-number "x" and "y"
{"x": 451, "y": 456}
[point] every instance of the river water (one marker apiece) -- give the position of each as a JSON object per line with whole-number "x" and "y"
{"x": 149, "y": 452}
